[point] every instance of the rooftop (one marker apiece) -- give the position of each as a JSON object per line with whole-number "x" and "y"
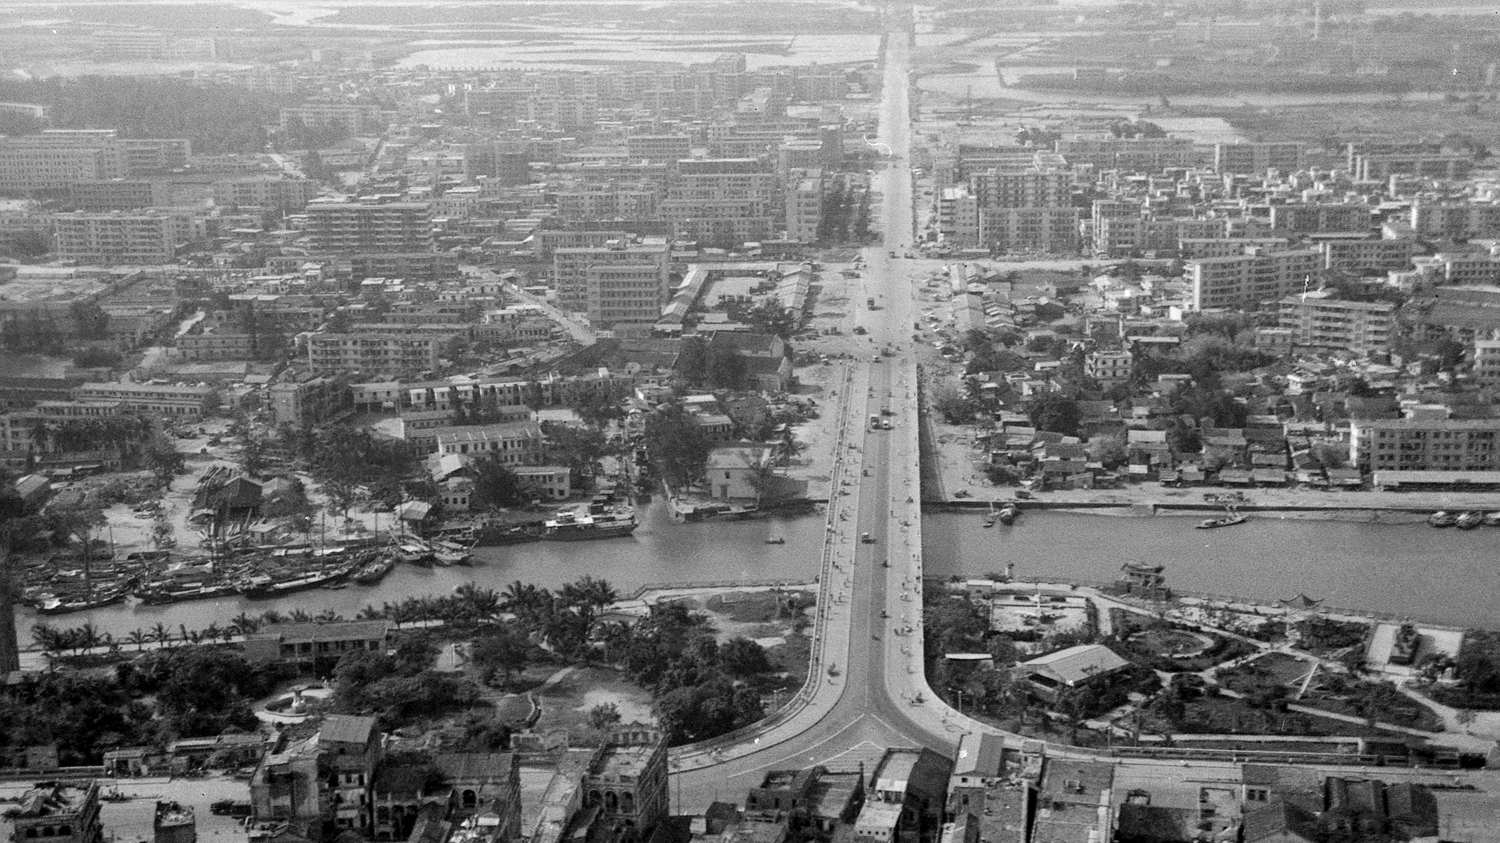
{"x": 346, "y": 728}
{"x": 1075, "y": 664}
{"x": 334, "y": 631}
{"x": 615, "y": 760}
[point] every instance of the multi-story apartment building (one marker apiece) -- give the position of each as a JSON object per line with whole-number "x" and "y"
{"x": 287, "y": 195}
{"x": 1367, "y": 253}
{"x": 618, "y": 283}
{"x": 1253, "y": 158}
{"x": 1122, "y": 229}
{"x": 804, "y": 209}
{"x": 374, "y": 352}
{"x": 346, "y": 228}
{"x": 663, "y": 148}
{"x": 1306, "y": 218}
{"x": 1110, "y": 367}
{"x": 513, "y": 443}
{"x": 1424, "y": 444}
{"x": 143, "y": 156}
{"x": 218, "y": 343}
{"x": 350, "y": 117}
{"x": 1455, "y": 220}
{"x": 723, "y": 201}
{"x": 591, "y": 201}
{"x": 1200, "y": 248}
{"x": 118, "y": 194}
{"x": 1251, "y": 279}
{"x": 958, "y": 215}
{"x": 180, "y": 400}
{"x": 1430, "y": 165}
{"x": 308, "y": 400}
{"x": 54, "y": 160}
{"x": 1319, "y": 321}
{"x": 1140, "y": 155}
{"x": 1458, "y": 268}
{"x": 1486, "y": 368}
{"x": 1025, "y": 210}
{"x": 120, "y": 237}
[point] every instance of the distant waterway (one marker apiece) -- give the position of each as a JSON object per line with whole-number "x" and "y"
{"x": 1446, "y": 576}
{"x": 660, "y": 551}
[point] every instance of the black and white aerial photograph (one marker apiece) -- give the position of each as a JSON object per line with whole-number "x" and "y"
{"x": 794, "y": 421}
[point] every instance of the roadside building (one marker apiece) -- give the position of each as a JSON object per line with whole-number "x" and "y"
{"x": 1447, "y": 445}
{"x": 312, "y": 643}
{"x": 58, "y": 812}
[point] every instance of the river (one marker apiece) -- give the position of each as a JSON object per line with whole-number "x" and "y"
{"x": 1446, "y": 576}
{"x": 659, "y": 551}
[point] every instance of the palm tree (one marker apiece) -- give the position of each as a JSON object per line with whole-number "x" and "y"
{"x": 138, "y": 637}
{"x": 47, "y": 638}
{"x": 87, "y": 636}
{"x": 271, "y": 616}
{"x": 597, "y": 592}
{"x": 528, "y": 602}
{"x": 300, "y": 616}
{"x": 183, "y": 630}
{"x": 211, "y": 632}
{"x": 480, "y": 603}
{"x": 245, "y": 623}
{"x": 327, "y": 616}
{"x": 160, "y": 634}
{"x": 370, "y": 613}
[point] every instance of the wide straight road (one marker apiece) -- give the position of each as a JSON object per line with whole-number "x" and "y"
{"x": 873, "y": 695}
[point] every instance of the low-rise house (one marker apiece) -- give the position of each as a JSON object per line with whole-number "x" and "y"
{"x": 307, "y": 643}
{"x": 549, "y": 482}
{"x": 1054, "y": 675}
{"x": 738, "y": 472}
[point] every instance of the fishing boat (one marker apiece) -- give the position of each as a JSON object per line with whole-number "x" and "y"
{"x": 375, "y": 570}
{"x": 263, "y": 585}
{"x": 991, "y": 517}
{"x": 449, "y": 553}
{"x": 1492, "y": 519}
{"x": 1229, "y": 519}
{"x": 1008, "y": 513}
{"x": 1469, "y": 520}
{"x": 1442, "y": 518}
{"x": 92, "y": 599}
{"x": 157, "y": 592}
{"x": 776, "y": 540}
{"x": 414, "y": 552}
